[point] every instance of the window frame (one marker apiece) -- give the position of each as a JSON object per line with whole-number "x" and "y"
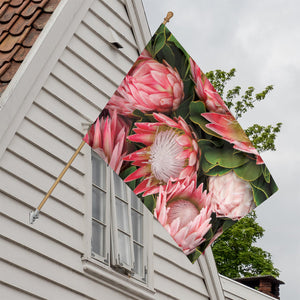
{"x": 102, "y": 267}
{"x": 106, "y": 258}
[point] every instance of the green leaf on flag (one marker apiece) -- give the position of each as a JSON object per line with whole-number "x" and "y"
{"x": 262, "y": 189}
{"x": 159, "y": 42}
{"x": 194, "y": 256}
{"x": 267, "y": 174}
{"x": 217, "y": 171}
{"x": 225, "y": 158}
{"x": 127, "y": 172}
{"x": 250, "y": 171}
{"x": 196, "y": 109}
{"x": 149, "y": 202}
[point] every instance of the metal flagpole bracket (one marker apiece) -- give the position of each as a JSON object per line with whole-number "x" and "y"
{"x": 33, "y": 215}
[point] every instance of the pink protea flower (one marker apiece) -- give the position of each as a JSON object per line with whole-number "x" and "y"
{"x": 107, "y": 137}
{"x": 231, "y": 196}
{"x": 184, "y": 210}
{"x": 206, "y": 91}
{"x": 171, "y": 152}
{"x": 230, "y": 130}
{"x": 149, "y": 86}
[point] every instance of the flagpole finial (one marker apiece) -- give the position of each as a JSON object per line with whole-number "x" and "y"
{"x": 168, "y": 17}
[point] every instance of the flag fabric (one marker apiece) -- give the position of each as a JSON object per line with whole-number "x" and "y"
{"x": 171, "y": 138}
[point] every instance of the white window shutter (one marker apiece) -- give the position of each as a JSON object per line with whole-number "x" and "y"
{"x": 122, "y": 242}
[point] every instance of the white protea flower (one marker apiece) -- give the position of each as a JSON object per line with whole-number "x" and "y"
{"x": 171, "y": 152}
{"x": 231, "y": 196}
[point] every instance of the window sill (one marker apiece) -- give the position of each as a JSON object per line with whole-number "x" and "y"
{"x": 117, "y": 281}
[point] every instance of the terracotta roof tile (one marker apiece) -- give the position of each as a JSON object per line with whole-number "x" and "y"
{"x": 10, "y": 72}
{"x": 6, "y": 57}
{"x": 11, "y": 11}
{"x": 50, "y": 6}
{"x": 8, "y": 14}
{"x": 21, "y": 54}
{"x": 6, "y": 26}
{"x": 2, "y": 2}
{"x": 11, "y": 40}
{"x": 21, "y": 22}
{"x": 3, "y": 36}
{"x": 3, "y": 9}
{"x": 16, "y": 2}
{"x": 4, "y": 68}
{"x": 31, "y": 8}
{"x": 31, "y": 37}
{"x": 41, "y": 21}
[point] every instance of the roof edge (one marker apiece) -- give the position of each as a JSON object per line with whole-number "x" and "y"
{"x": 23, "y": 89}
{"x": 211, "y": 276}
{"x": 139, "y": 22}
{"x": 227, "y": 283}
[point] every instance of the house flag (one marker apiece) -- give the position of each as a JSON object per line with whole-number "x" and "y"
{"x": 171, "y": 138}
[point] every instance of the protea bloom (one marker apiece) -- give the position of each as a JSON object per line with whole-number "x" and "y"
{"x": 149, "y": 86}
{"x": 231, "y": 196}
{"x": 230, "y": 130}
{"x": 184, "y": 210}
{"x": 205, "y": 90}
{"x": 107, "y": 136}
{"x": 171, "y": 152}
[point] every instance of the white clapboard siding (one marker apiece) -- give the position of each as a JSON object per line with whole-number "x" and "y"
{"x": 25, "y": 171}
{"x": 174, "y": 275}
{"x": 49, "y": 143}
{"x": 91, "y": 92}
{"x": 91, "y": 74}
{"x": 61, "y": 232}
{"x": 110, "y": 17}
{"x": 236, "y": 291}
{"x": 9, "y": 292}
{"x": 39, "y": 242}
{"x": 24, "y": 196}
{"x": 96, "y": 61}
{"x": 51, "y": 123}
{"x": 119, "y": 9}
{"x": 34, "y": 283}
{"x": 59, "y": 110}
{"x": 22, "y": 148}
{"x": 73, "y": 100}
{"x": 46, "y": 260}
{"x": 116, "y": 57}
{"x": 101, "y": 27}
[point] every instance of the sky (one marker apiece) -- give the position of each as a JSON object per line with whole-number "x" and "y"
{"x": 261, "y": 40}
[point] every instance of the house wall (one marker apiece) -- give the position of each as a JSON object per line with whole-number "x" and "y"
{"x": 236, "y": 291}
{"x": 44, "y": 260}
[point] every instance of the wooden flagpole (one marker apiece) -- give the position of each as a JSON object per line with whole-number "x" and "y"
{"x": 33, "y": 215}
{"x": 168, "y": 17}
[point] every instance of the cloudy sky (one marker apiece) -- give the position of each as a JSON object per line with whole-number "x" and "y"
{"x": 261, "y": 39}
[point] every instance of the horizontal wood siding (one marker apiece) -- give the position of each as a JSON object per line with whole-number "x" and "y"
{"x": 44, "y": 260}
{"x": 174, "y": 275}
{"x": 236, "y": 291}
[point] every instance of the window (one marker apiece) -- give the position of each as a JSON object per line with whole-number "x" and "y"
{"x": 118, "y": 223}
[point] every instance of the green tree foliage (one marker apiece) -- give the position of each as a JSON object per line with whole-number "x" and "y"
{"x": 234, "y": 251}
{"x": 237, "y": 256}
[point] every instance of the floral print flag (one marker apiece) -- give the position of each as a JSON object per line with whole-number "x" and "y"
{"x": 171, "y": 138}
